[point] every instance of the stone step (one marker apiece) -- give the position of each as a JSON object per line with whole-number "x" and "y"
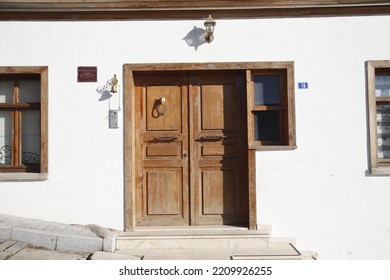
{"x": 192, "y": 239}
{"x": 285, "y": 252}
{"x": 281, "y": 251}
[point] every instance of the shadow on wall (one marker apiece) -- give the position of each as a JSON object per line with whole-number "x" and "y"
{"x": 195, "y": 38}
{"x": 104, "y": 91}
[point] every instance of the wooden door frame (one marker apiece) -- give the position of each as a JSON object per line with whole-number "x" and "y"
{"x": 129, "y": 132}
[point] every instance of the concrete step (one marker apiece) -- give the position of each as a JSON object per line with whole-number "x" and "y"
{"x": 114, "y": 256}
{"x": 184, "y": 238}
{"x": 281, "y": 251}
{"x": 285, "y": 252}
{"x": 203, "y": 243}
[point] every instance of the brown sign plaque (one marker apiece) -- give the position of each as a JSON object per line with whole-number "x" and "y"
{"x": 87, "y": 74}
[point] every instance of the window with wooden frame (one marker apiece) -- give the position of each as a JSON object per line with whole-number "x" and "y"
{"x": 271, "y": 113}
{"x": 23, "y": 119}
{"x": 379, "y": 115}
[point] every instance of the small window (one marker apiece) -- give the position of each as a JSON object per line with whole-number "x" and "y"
{"x": 271, "y": 114}
{"x": 379, "y": 115}
{"x": 23, "y": 120}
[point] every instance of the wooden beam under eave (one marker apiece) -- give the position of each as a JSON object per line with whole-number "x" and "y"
{"x": 175, "y": 4}
{"x": 177, "y": 14}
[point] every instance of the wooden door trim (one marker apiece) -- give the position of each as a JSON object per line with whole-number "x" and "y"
{"x": 129, "y": 131}
{"x": 141, "y": 67}
{"x": 129, "y": 144}
{"x": 252, "y": 189}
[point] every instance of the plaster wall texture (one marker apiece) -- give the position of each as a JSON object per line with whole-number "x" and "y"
{"x": 321, "y": 193}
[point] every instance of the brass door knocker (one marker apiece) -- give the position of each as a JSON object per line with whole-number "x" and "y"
{"x": 160, "y": 107}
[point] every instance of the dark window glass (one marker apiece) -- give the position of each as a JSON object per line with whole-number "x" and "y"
{"x": 31, "y": 145}
{"x": 20, "y": 131}
{"x": 5, "y": 137}
{"x": 383, "y": 131}
{"x": 266, "y": 89}
{"x": 267, "y": 126}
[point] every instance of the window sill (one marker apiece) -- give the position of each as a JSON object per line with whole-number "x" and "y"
{"x": 17, "y": 177}
{"x": 272, "y": 148}
{"x": 380, "y": 170}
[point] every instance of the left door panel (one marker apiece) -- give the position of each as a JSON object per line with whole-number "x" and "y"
{"x": 161, "y": 142}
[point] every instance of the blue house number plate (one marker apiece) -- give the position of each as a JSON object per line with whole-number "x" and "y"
{"x": 303, "y": 85}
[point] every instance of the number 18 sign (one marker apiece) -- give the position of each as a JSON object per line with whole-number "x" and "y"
{"x": 303, "y": 85}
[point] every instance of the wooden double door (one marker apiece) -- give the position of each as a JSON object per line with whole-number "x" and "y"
{"x": 190, "y": 148}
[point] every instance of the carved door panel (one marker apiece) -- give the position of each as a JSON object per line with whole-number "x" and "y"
{"x": 189, "y": 146}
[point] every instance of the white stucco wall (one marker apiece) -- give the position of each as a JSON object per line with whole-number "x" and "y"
{"x": 320, "y": 193}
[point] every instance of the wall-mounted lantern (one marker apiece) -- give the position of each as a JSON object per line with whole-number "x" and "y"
{"x": 209, "y": 24}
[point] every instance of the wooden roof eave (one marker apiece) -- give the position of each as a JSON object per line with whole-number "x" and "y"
{"x": 53, "y": 10}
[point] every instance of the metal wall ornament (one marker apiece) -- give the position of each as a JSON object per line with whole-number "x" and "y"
{"x": 114, "y": 84}
{"x": 27, "y": 157}
{"x": 5, "y": 155}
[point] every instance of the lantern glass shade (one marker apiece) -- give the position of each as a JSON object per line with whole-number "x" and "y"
{"x": 209, "y": 25}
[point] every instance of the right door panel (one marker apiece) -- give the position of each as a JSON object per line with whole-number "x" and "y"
{"x": 217, "y": 125}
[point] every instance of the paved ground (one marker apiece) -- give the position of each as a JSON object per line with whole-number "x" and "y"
{"x": 30, "y": 239}
{"x": 10, "y": 247}
{"x": 22, "y": 238}
{"x": 16, "y": 250}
